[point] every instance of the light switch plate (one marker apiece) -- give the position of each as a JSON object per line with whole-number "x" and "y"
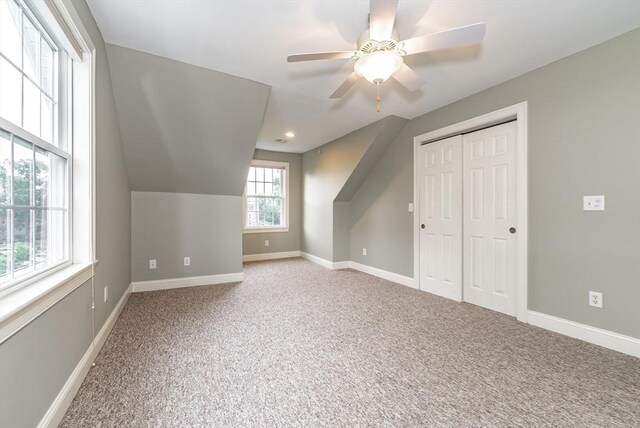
{"x": 411, "y": 207}
{"x": 593, "y": 203}
{"x": 152, "y": 264}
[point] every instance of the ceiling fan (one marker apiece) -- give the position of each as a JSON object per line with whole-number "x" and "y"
{"x": 380, "y": 51}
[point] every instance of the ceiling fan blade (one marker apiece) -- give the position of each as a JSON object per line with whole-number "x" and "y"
{"x": 382, "y": 16}
{"x": 346, "y": 85}
{"x": 461, "y": 36}
{"x": 320, "y": 55}
{"x": 408, "y": 78}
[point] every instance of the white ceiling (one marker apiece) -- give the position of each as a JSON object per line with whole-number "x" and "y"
{"x": 252, "y": 39}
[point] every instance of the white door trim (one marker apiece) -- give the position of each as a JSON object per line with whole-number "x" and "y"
{"x": 518, "y": 112}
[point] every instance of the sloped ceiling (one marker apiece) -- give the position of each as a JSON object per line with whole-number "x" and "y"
{"x": 389, "y": 129}
{"x": 252, "y": 38}
{"x": 185, "y": 129}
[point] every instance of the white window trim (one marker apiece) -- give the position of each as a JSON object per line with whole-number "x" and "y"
{"x": 268, "y": 229}
{"x": 26, "y": 303}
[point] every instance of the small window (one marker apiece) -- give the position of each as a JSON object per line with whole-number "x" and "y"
{"x": 266, "y": 206}
{"x": 35, "y": 161}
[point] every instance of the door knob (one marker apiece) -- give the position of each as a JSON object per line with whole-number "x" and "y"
{"x": 422, "y": 226}
{"x": 512, "y": 230}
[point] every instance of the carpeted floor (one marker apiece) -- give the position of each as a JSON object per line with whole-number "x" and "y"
{"x": 296, "y": 344}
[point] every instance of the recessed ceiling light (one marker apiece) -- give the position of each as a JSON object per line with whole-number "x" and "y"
{"x": 289, "y": 134}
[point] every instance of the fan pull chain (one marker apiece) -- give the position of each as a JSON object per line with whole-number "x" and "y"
{"x": 378, "y": 99}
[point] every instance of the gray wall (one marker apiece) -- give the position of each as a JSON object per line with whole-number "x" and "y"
{"x": 170, "y": 226}
{"x": 327, "y": 170}
{"x": 584, "y": 139}
{"x": 186, "y": 129}
{"x": 36, "y": 362}
{"x": 253, "y": 243}
{"x": 341, "y": 232}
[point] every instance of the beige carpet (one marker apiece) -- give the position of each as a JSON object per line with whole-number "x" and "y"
{"x": 296, "y": 344}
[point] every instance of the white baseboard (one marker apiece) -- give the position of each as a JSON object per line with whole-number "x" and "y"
{"x": 60, "y": 405}
{"x": 341, "y": 265}
{"x": 317, "y": 260}
{"x": 608, "y": 339}
{"x": 270, "y": 256}
{"x": 192, "y": 281}
{"x": 389, "y": 276}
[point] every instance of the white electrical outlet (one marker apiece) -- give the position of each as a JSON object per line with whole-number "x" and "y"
{"x": 595, "y": 299}
{"x": 152, "y": 264}
{"x": 593, "y": 203}
{"x": 411, "y": 207}
{"x": 364, "y": 251}
{"x": 187, "y": 261}
{"x": 106, "y": 292}
{"x": 266, "y": 242}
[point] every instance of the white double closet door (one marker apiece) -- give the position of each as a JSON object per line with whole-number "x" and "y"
{"x": 468, "y": 236}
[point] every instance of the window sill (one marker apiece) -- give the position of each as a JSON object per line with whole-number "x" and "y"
{"x": 266, "y": 230}
{"x": 24, "y": 305}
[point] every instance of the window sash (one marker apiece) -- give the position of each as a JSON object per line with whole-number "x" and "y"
{"x": 45, "y": 220}
{"x": 54, "y": 198}
{"x": 283, "y": 197}
{"x": 257, "y": 211}
{"x": 58, "y": 81}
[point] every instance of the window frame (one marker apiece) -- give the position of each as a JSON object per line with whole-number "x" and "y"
{"x": 285, "y": 199}
{"x": 61, "y": 144}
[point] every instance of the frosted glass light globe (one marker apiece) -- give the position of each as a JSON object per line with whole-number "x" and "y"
{"x": 378, "y": 66}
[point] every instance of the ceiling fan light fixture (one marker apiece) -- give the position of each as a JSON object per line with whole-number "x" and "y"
{"x": 378, "y": 66}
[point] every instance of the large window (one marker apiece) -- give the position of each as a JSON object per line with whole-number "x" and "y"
{"x": 266, "y": 197}
{"x": 35, "y": 154}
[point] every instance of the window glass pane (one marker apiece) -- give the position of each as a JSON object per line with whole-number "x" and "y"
{"x": 277, "y": 182}
{"x": 268, "y": 189}
{"x": 251, "y": 188}
{"x": 252, "y": 174}
{"x": 58, "y": 189}
{"x": 22, "y": 172}
{"x": 42, "y": 238}
{"x": 259, "y": 188}
{"x": 10, "y": 92}
{"x": 11, "y": 31}
{"x": 57, "y": 230}
{"x": 42, "y": 178}
{"x": 46, "y": 67}
{"x": 5, "y": 246}
{"x": 5, "y": 168}
{"x": 259, "y": 174}
{"x": 278, "y": 211}
{"x": 31, "y": 50}
{"x": 31, "y": 112}
{"x": 268, "y": 174}
{"x": 252, "y": 219}
{"x": 251, "y": 204}
{"x": 22, "y": 250}
{"x": 46, "y": 131}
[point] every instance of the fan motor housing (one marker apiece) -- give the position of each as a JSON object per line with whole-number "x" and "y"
{"x": 367, "y": 45}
